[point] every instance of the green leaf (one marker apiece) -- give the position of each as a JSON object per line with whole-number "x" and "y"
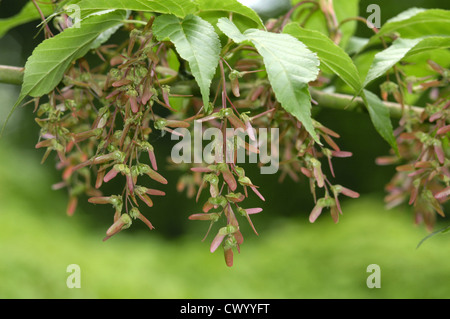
{"x": 417, "y": 65}
{"x": 27, "y": 14}
{"x": 402, "y": 48}
{"x": 355, "y": 44}
{"x": 405, "y": 15}
{"x": 231, "y": 30}
{"x": 290, "y": 66}
{"x": 380, "y": 116}
{"x": 46, "y": 66}
{"x": 428, "y": 44}
{"x": 180, "y": 8}
{"x": 387, "y": 58}
{"x": 330, "y": 55}
{"x": 244, "y": 14}
{"x": 416, "y": 23}
{"x": 195, "y": 41}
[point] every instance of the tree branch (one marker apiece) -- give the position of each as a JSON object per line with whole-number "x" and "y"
{"x": 11, "y": 74}
{"x": 14, "y": 75}
{"x": 348, "y": 102}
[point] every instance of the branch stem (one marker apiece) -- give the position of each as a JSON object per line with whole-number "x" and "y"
{"x": 14, "y": 75}
{"x": 11, "y": 74}
{"x": 347, "y": 102}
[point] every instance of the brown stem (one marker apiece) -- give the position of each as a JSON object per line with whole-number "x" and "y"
{"x": 361, "y": 19}
{"x": 49, "y": 32}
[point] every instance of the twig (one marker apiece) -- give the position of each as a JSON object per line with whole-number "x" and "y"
{"x": 14, "y": 75}
{"x": 11, "y": 74}
{"x": 47, "y": 28}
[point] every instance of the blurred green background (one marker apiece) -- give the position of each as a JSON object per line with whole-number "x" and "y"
{"x": 291, "y": 258}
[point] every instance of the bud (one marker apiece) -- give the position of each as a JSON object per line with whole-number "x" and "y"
{"x": 116, "y": 156}
{"x": 145, "y": 169}
{"x": 207, "y": 206}
{"x": 147, "y": 147}
{"x": 211, "y": 216}
{"x": 135, "y": 213}
{"x": 228, "y": 253}
{"x": 317, "y": 172}
{"x": 114, "y": 200}
{"x": 317, "y": 210}
{"x": 236, "y": 121}
{"x": 209, "y": 169}
{"x": 443, "y": 194}
{"x": 100, "y": 200}
{"x": 133, "y": 104}
{"x": 123, "y": 222}
{"x": 344, "y": 190}
{"x": 437, "y": 145}
{"x": 443, "y": 130}
{"x": 238, "y": 237}
{"x": 121, "y": 82}
{"x": 235, "y": 197}
{"x": 174, "y": 123}
{"x": 255, "y": 190}
{"x": 248, "y": 127}
{"x": 99, "y": 179}
{"x": 218, "y": 201}
{"x": 155, "y": 192}
{"x": 111, "y": 174}
{"x": 141, "y": 193}
{"x": 218, "y": 239}
{"x": 227, "y": 176}
{"x": 341, "y": 154}
{"x": 72, "y": 205}
{"x": 79, "y": 137}
{"x": 165, "y": 93}
{"x": 234, "y": 78}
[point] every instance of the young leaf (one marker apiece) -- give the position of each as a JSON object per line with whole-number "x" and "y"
{"x": 231, "y": 30}
{"x": 330, "y": 55}
{"x": 195, "y": 41}
{"x": 428, "y": 44}
{"x": 380, "y": 116}
{"x": 50, "y": 59}
{"x": 405, "y": 15}
{"x": 180, "y": 8}
{"x": 290, "y": 66}
{"x": 239, "y": 11}
{"x": 415, "y": 23}
{"x": 402, "y": 48}
{"x": 387, "y": 58}
{"x": 27, "y": 14}
{"x": 355, "y": 44}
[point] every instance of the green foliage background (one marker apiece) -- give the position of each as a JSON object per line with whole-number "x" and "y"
{"x": 290, "y": 259}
